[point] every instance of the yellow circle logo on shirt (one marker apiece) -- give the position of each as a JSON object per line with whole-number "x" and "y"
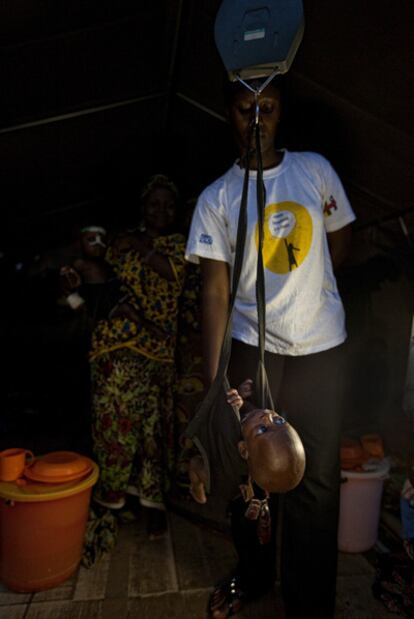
{"x": 287, "y": 236}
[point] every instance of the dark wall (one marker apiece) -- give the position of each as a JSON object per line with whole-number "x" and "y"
{"x": 356, "y": 64}
{"x": 82, "y": 84}
{"x": 97, "y": 95}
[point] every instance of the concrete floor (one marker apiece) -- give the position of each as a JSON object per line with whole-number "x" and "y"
{"x": 172, "y": 577}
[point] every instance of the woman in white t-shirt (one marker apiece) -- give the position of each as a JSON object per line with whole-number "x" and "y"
{"x": 306, "y": 234}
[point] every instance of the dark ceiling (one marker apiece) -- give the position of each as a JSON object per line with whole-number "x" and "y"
{"x": 97, "y": 95}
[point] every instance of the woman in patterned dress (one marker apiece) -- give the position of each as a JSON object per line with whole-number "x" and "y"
{"x": 132, "y": 361}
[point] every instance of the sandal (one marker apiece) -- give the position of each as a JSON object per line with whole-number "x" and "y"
{"x": 226, "y": 600}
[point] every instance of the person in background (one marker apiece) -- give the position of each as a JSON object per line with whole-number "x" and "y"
{"x": 132, "y": 361}
{"x": 89, "y": 281}
{"x": 90, "y": 292}
{"x": 307, "y": 221}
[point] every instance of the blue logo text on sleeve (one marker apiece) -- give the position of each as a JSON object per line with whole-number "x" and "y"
{"x": 206, "y": 239}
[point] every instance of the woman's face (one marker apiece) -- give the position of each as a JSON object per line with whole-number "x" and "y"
{"x": 242, "y": 116}
{"x": 159, "y": 209}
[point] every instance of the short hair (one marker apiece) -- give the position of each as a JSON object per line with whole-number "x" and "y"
{"x": 159, "y": 181}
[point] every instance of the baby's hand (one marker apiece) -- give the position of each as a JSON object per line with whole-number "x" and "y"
{"x": 236, "y": 397}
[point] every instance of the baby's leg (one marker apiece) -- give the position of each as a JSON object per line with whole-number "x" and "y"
{"x": 198, "y": 479}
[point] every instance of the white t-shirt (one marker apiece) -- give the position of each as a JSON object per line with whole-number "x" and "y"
{"x": 304, "y": 200}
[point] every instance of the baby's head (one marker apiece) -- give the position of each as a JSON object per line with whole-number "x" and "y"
{"x": 273, "y": 450}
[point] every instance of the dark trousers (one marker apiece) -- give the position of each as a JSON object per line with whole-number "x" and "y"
{"x": 308, "y": 392}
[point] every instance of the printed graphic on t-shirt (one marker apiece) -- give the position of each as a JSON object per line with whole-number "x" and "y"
{"x": 330, "y": 206}
{"x": 287, "y": 236}
{"x": 206, "y": 239}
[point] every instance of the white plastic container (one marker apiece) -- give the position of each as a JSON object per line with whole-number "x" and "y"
{"x": 360, "y": 506}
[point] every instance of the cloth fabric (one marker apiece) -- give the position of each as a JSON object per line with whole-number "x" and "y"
{"x": 133, "y": 376}
{"x": 307, "y": 391}
{"x": 133, "y": 426}
{"x": 304, "y": 200}
{"x": 153, "y": 297}
{"x": 190, "y": 387}
{"x": 216, "y": 432}
{"x": 100, "y": 536}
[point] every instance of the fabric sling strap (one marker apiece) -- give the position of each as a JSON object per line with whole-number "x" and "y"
{"x": 262, "y": 385}
{"x": 214, "y": 429}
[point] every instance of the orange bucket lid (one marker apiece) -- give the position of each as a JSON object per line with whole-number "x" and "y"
{"x": 59, "y": 467}
{"x": 28, "y": 491}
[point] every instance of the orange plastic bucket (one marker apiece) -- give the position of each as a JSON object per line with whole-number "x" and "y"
{"x": 42, "y": 528}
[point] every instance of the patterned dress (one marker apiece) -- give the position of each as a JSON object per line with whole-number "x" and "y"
{"x": 190, "y": 385}
{"x": 133, "y": 377}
